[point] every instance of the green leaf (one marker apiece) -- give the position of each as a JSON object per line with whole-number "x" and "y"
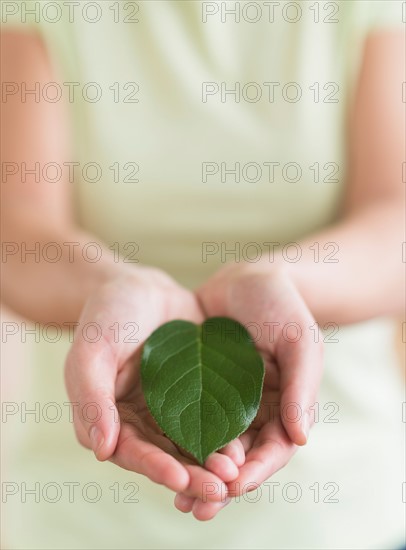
{"x": 202, "y": 383}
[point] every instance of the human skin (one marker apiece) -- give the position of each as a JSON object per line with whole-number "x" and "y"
{"x": 366, "y": 282}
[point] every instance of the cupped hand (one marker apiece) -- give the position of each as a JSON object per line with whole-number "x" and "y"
{"x": 267, "y": 303}
{"x": 103, "y": 382}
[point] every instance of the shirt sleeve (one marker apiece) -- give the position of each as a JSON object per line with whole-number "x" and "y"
{"x": 21, "y": 16}
{"x": 375, "y": 15}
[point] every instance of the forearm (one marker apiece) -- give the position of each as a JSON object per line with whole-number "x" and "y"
{"x": 48, "y": 273}
{"x": 368, "y": 277}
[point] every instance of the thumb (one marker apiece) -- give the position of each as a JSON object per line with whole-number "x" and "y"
{"x": 90, "y": 374}
{"x": 301, "y": 369}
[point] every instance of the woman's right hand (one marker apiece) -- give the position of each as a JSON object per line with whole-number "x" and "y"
{"x": 103, "y": 369}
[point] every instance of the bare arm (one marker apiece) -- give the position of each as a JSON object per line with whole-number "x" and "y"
{"x": 37, "y": 213}
{"x": 105, "y": 371}
{"x": 368, "y": 279}
{"x": 370, "y": 235}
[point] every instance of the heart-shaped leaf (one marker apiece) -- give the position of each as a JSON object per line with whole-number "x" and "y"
{"x": 202, "y": 383}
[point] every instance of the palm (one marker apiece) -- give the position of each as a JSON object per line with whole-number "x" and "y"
{"x": 139, "y": 433}
{"x": 265, "y": 438}
{"x": 108, "y": 373}
{"x": 143, "y": 447}
{"x": 267, "y": 303}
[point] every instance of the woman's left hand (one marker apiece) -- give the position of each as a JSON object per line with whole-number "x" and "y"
{"x": 267, "y": 303}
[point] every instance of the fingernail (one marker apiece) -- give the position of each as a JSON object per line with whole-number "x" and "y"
{"x": 96, "y": 438}
{"x": 306, "y": 425}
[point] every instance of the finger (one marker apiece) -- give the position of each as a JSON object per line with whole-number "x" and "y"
{"x": 184, "y": 503}
{"x": 204, "y": 485}
{"x": 90, "y": 378}
{"x": 92, "y": 366}
{"x": 222, "y": 466}
{"x": 129, "y": 375}
{"x": 301, "y": 366}
{"x": 204, "y": 511}
{"x": 138, "y": 455}
{"x": 247, "y": 440}
{"x": 235, "y": 451}
{"x": 271, "y": 451}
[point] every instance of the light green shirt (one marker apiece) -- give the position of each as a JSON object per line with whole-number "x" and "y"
{"x": 215, "y": 139}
